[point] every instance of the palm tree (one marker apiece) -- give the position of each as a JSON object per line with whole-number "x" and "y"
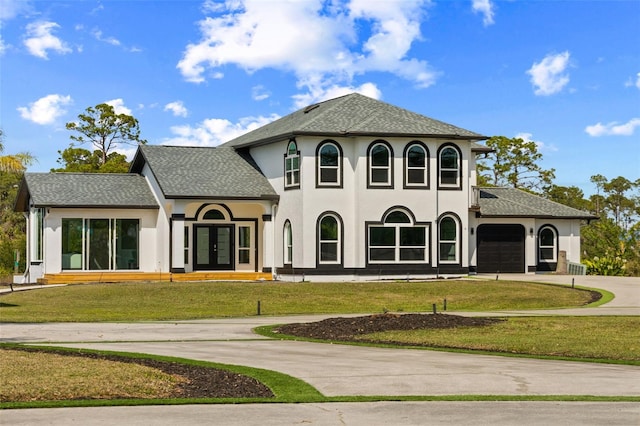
{"x": 16, "y": 163}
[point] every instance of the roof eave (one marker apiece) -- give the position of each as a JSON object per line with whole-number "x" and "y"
{"x": 541, "y": 216}
{"x": 264, "y": 197}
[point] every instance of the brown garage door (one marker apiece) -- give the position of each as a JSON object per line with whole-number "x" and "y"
{"x": 501, "y": 248}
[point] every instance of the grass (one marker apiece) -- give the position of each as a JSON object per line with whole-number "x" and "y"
{"x": 176, "y": 301}
{"x": 602, "y": 339}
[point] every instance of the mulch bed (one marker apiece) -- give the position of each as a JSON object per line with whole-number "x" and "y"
{"x": 347, "y": 329}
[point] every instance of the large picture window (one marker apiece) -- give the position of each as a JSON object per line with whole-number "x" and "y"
{"x": 329, "y": 161}
{"x": 292, "y": 166}
{"x": 448, "y": 240}
{"x": 329, "y": 239}
{"x": 416, "y": 160}
{"x": 398, "y": 240}
{"x": 380, "y": 159}
{"x": 449, "y": 168}
{"x": 100, "y": 244}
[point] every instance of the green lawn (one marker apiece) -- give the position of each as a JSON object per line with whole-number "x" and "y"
{"x": 608, "y": 338}
{"x": 178, "y": 301}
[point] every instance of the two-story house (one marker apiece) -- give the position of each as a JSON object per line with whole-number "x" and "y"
{"x": 347, "y": 189}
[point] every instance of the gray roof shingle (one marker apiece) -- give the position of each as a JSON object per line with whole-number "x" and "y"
{"x": 353, "y": 114}
{"x": 511, "y": 202}
{"x": 85, "y": 190}
{"x": 204, "y": 172}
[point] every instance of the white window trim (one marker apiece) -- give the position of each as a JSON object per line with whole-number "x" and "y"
{"x": 397, "y": 245}
{"x": 294, "y": 183}
{"x": 337, "y": 242}
{"x": 287, "y": 256}
{"x": 337, "y": 168}
{"x": 554, "y": 246}
{"x": 388, "y": 167}
{"x": 455, "y": 242}
{"x": 424, "y": 169}
{"x": 442, "y": 169}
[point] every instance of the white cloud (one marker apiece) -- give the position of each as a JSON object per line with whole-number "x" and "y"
{"x": 633, "y": 81}
{"x": 177, "y": 108}
{"x": 9, "y": 9}
{"x": 548, "y": 76}
{"x": 613, "y": 128}
{"x": 97, "y": 34}
{"x": 318, "y": 93}
{"x": 259, "y": 93}
{"x": 118, "y": 106}
{"x": 326, "y": 43}
{"x": 214, "y": 131}
{"x": 46, "y": 109}
{"x": 528, "y": 137}
{"x": 486, "y": 8}
{"x": 40, "y": 39}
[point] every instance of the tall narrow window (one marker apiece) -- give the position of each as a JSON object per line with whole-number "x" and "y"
{"x": 244, "y": 244}
{"x": 288, "y": 244}
{"x": 416, "y": 166}
{"x": 126, "y": 243}
{"x": 398, "y": 240}
{"x": 448, "y": 240}
{"x": 72, "y": 243}
{"x": 292, "y": 166}
{"x": 38, "y": 234}
{"x": 380, "y": 165}
{"x": 329, "y": 163}
{"x": 547, "y": 244}
{"x": 329, "y": 239}
{"x": 98, "y": 244}
{"x": 449, "y": 167}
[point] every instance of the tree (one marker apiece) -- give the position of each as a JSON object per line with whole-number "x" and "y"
{"x": 81, "y": 160}
{"x": 571, "y": 196}
{"x": 101, "y": 127}
{"x": 16, "y": 163}
{"x": 513, "y": 163}
{"x": 12, "y": 224}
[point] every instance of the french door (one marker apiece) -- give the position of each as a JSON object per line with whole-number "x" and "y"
{"x": 214, "y": 247}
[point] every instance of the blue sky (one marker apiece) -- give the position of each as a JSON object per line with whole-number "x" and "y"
{"x": 565, "y": 74}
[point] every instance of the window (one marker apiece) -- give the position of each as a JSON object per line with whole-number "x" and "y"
{"x": 288, "y": 244}
{"x": 380, "y": 165}
{"x": 100, "y": 244}
{"x": 416, "y": 160}
{"x": 547, "y": 244}
{"x": 329, "y": 162}
{"x": 186, "y": 245}
{"x": 244, "y": 244}
{"x": 398, "y": 240}
{"x": 329, "y": 239}
{"x": 38, "y": 234}
{"x": 448, "y": 240}
{"x": 449, "y": 166}
{"x": 292, "y": 166}
{"x": 213, "y": 215}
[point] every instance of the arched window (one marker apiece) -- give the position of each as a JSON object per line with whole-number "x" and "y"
{"x": 329, "y": 161}
{"x": 448, "y": 240}
{"x": 380, "y": 160}
{"x": 398, "y": 239}
{"x": 213, "y": 215}
{"x": 329, "y": 239}
{"x": 449, "y": 167}
{"x": 547, "y": 244}
{"x": 416, "y": 166}
{"x": 292, "y": 166}
{"x": 288, "y": 244}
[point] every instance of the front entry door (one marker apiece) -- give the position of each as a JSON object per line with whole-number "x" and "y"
{"x": 214, "y": 247}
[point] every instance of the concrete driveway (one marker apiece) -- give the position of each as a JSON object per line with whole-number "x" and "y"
{"x": 348, "y": 370}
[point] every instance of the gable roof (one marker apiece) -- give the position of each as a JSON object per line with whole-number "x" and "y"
{"x": 352, "y": 115}
{"x": 203, "y": 172}
{"x": 512, "y": 202}
{"x": 109, "y": 190}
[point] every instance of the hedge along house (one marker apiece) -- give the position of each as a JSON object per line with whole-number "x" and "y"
{"x": 347, "y": 189}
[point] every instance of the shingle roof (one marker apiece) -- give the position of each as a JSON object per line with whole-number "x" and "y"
{"x": 511, "y": 202}
{"x": 204, "y": 172}
{"x": 353, "y": 114}
{"x": 85, "y": 190}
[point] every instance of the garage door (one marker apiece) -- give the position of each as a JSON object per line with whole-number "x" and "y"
{"x": 501, "y": 248}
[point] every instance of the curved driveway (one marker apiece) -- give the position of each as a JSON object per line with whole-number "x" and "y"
{"x": 352, "y": 370}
